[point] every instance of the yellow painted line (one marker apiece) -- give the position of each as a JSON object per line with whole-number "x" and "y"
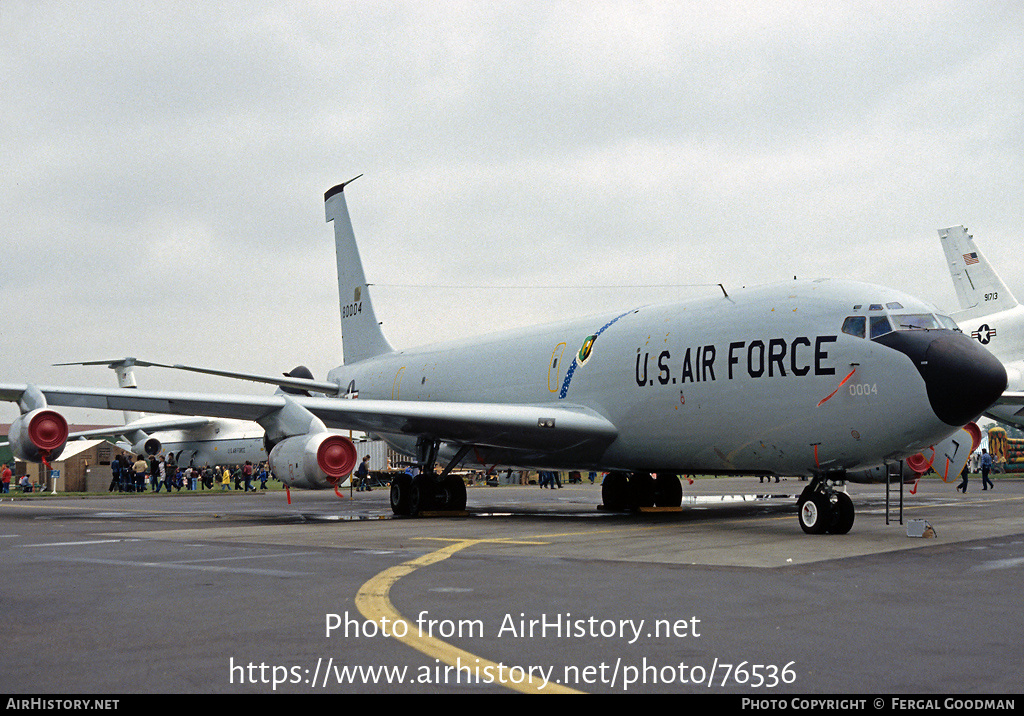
{"x": 43, "y": 505}
{"x": 40, "y": 504}
{"x": 374, "y": 603}
{"x": 478, "y": 541}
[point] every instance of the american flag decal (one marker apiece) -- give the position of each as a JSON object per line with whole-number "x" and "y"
{"x": 971, "y": 258}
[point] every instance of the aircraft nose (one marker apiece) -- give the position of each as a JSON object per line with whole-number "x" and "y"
{"x": 961, "y": 377}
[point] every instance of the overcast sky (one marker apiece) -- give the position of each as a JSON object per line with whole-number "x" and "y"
{"x": 164, "y": 164}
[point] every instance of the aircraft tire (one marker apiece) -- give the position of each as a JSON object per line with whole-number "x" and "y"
{"x": 455, "y": 493}
{"x": 668, "y": 490}
{"x": 815, "y": 512}
{"x": 401, "y": 487}
{"x": 641, "y": 489}
{"x": 842, "y": 515}
{"x": 615, "y": 491}
{"x": 420, "y": 494}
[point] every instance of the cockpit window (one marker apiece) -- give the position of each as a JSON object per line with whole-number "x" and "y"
{"x": 894, "y": 305}
{"x": 879, "y": 326}
{"x": 875, "y": 307}
{"x": 915, "y": 321}
{"x": 855, "y": 326}
{"x": 947, "y": 322}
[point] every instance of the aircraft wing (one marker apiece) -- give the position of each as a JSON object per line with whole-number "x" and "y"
{"x": 529, "y": 427}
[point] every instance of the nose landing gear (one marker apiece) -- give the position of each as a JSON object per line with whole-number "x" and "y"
{"x": 824, "y": 508}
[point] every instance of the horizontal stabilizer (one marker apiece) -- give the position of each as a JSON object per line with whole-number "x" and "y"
{"x": 286, "y": 381}
{"x": 147, "y": 427}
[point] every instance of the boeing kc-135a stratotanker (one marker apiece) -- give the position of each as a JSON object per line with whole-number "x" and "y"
{"x": 827, "y": 379}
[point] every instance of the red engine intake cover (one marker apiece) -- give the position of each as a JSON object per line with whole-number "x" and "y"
{"x": 919, "y": 463}
{"x": 336, "y": 456}
{"x": 48, "y": 430}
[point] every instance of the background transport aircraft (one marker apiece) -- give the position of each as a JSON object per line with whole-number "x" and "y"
{"x": 990, "y": 314}
{"x": 817, "y": 378}
{"x": 193, "y": 440}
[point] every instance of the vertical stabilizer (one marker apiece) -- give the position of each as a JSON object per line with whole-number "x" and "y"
{"x": 361, "y": 336}
{"x": 125, "y": 370}
{"x": 978, "y": 288}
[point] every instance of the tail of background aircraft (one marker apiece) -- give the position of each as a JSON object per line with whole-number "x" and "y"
{"x": 980, "y": 290}
{"x": 991, "y": 315}
{"x": 125, "y": 369}
{"x": 361, "y": 335}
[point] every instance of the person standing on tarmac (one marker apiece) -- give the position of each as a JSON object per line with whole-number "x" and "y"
{"x": 363, "y": 475}
{"x": 166, "y": 474}
{"x": 115, "y": 475}
{"x": 247, "y": 476}
{"x": 154, "y": 473}
{"x": 986, "y": 468}
{"x": 139, "y": 468}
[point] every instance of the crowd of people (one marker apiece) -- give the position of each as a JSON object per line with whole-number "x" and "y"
{"x": 157, "y": 472}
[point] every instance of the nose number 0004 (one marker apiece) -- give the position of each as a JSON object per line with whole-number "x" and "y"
{"x": 863, "y": 389}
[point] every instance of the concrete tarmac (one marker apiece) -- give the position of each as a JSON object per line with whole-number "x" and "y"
{"x": 532, "y": 590}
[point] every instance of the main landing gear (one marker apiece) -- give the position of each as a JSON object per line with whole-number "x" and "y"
{"x": 623, "y": 491}
{"x": 428, "y": 491}
{"x": 823, "y": 508}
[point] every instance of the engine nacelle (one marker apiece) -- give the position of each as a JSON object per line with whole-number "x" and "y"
{"x": 315, "y": 462}
{"x": 148, "y": 446}
{"x": 39, "y": 434}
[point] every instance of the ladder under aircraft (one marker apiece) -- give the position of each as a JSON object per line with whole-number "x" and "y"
{"x": 893, "y": 471}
